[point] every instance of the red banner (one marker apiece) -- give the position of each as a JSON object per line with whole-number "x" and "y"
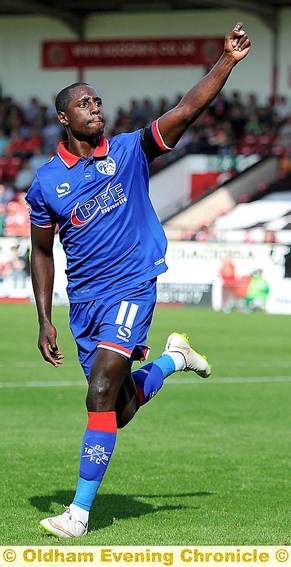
{"x": 135, "y": 52}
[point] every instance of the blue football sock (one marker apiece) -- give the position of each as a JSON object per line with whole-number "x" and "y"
{"x": 85, "y": 493}
{"x": 150, "y": 378}
{"x": 97, "y": 448}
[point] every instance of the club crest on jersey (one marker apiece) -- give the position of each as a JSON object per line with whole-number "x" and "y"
{"x": 106, "y": 166}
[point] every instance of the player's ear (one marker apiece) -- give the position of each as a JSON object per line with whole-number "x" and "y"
{"x": 62, "y": 118}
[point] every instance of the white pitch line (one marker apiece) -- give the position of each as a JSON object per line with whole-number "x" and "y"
{"x": 31, "y": 364}
{"x": 170, "y": 381}
{"x": 231, "y": 380}
{"x": 61, "y": 384}
{"x": 238, "y": 364}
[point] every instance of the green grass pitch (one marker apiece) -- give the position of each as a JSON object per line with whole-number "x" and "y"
{"x": 206, "y": 462}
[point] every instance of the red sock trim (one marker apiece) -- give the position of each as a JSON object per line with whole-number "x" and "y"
{"x": 102, "y": 421}
{"x": 140, "y": 394}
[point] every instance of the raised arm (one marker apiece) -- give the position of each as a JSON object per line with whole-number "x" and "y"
{"x": 42, "y": 276}
{"x": 174, "y": 123}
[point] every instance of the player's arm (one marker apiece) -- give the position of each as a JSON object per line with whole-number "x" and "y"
{"x": 174, "y": 123}
{"x": 42, "y": 276}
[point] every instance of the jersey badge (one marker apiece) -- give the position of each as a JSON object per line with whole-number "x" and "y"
{"x": 106, "y": 166}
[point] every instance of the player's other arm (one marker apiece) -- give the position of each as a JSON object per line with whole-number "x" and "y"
{"x": 174, "y": 123}
{"x": 42, "y": 276}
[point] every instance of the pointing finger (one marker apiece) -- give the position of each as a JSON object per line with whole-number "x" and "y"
{"x": 238, "y": 26}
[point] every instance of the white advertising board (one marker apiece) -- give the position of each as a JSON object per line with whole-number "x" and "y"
{"x": 192, "y": 277}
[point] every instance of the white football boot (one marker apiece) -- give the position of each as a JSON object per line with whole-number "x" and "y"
{"x": 177, "y": 342}
{"x": 65, "y": 525}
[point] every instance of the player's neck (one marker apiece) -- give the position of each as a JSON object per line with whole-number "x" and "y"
{"x": 83, "y": 147}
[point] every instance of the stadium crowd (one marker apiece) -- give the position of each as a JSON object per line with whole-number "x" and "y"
{"x": 29, "y": 136}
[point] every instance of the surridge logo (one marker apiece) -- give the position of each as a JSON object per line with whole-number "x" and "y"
{"x": 63, "y": 189}
{"x": 110, "y": 198}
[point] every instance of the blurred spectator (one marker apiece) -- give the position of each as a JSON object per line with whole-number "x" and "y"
{"x": 15, "y": 146}
{"x": 52, "y": 134}
{"x": 227, "y": 273}
{"x": 6, "y": 193}
{"x": 134, "y": 114}
{"x": 13, "y": 116}
{"x": 121, "y": 123}
{"x": 5, "y": 268}
{"x": 235, "y": 101}
{"x": 2, "y": 218}
{"x": 32, "y": 110}
{"x": 24, "y": 176}
{"x": 31, "y": 140}
{"x": 4, "y": 141}
{"x": 17, "y": 219}
{"x": 282, "y": 107}
{"x": 220, "y": 107}
{"x": 248, "y": 236}
{"x": 252, "y": 105}
{"x": 147, "y": 111}
{"x": 188, "y": 234}
{"x": 252, "y": 126}
{"x": 237, "y": 121}
{"x": 51, "y": 109}
{"x": 38, "y": 158}
{"x": 284, "y": 133}
{"x": 257, "y": 293}
{"x": 163, "y": 106}
{"x": 203, "y": 233}
{"x": 267, "y": 119}
{"x": 16, "y": 269}
{"x": 270, "y": 237}
{"x": 222, "y": 138}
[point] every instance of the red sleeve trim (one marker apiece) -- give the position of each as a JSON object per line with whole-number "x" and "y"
{"x": 158, "y": 137}
{"x": 48, "y": 225}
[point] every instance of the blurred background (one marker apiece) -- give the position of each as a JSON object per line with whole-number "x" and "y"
{"x": 223, "y": 194}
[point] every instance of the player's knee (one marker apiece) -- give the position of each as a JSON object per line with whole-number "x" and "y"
{"x": 101, "y": 395}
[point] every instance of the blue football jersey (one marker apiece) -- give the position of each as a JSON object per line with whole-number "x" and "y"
{"x": 107, "y": 225}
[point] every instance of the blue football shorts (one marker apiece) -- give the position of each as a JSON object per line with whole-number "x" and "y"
{"x": 118, "y": 323}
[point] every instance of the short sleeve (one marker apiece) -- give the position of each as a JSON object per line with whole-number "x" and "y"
{"x": 39, "y": 212}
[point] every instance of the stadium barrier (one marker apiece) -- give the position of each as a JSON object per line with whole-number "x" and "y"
{"x": 193, "y": 278}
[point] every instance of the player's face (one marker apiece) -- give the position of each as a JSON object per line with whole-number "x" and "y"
{"x": 85, "y": 116}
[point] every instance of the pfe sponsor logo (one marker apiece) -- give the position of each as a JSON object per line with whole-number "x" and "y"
{"x": 110, "y": 198}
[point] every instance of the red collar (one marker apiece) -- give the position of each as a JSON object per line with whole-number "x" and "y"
{"x": 70, "y": 159}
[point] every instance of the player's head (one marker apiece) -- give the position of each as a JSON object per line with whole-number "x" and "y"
{"x": 79, "y": 108}
{"x": 64, "y": 97}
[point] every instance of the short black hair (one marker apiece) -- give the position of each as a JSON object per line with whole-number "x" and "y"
{"x": 63, "y": 98}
